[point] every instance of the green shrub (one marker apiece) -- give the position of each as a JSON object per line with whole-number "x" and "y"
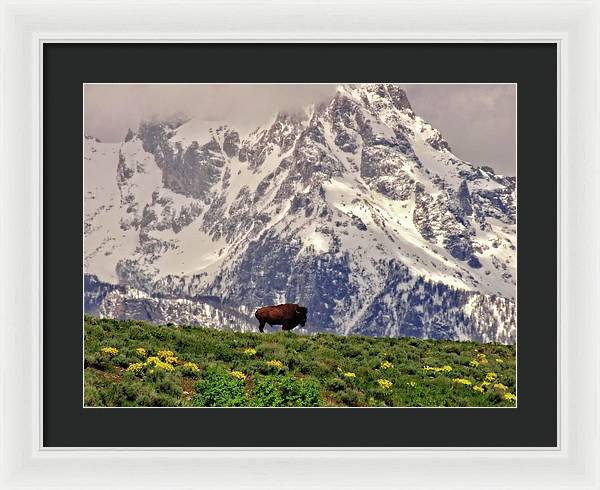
{"x": 335, "y": 384}
{"x": 266, "y": 393}
{"x": 351, "y": 398}
{"x": 285, "y": 391}
{"x": 165, "y": 382}
{"x": 219, "y": 389}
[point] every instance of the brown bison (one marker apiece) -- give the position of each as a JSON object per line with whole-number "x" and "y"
{"x": 288, "y": 315}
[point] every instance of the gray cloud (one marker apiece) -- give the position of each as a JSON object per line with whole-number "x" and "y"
{"x": 111, "y": 109}
{"x": 477, "y": 120}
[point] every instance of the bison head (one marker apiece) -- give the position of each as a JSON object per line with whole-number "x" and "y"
{"x": 301, "y": 315}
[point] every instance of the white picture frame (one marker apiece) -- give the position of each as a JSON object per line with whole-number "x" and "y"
{"x": 573, "y": 25}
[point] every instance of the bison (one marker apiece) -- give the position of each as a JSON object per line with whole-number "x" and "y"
{"x": 288, "y": 315}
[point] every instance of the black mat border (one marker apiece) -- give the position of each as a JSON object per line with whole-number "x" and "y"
{"x": 532, "y": 66}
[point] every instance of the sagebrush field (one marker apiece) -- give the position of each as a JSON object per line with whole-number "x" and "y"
{"x": 135, "y": 364}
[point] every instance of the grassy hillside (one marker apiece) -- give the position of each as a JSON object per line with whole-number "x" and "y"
{"x": 131, "y": 363}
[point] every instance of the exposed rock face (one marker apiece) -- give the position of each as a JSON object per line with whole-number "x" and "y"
{"x": 231, "y": 143}
{"x": 129, "y": 136}
{"x": 125, "y": 302}
{"x": 356, "y": 209}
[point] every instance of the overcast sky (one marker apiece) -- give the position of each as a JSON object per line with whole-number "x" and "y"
{"x": 478, "y": 121}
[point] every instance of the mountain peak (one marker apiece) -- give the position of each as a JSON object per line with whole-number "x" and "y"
{"x": 377, "y": 92}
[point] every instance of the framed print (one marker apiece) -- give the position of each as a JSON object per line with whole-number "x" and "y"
{"x": 249, "y": 257}
{"x": 344, "y": 218}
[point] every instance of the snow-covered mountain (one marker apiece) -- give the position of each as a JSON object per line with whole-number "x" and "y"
{"x": 356, "y": 208}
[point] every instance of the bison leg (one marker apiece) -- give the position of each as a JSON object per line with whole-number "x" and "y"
{"x": 288, "y": 326}
{"x": 261, "y": 325}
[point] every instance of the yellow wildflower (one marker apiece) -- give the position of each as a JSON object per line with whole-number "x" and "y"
{"x": 171, "y": 360}
{"x": 135, "y": 367}
{"x": 500, "y": 386}
{"x": 191, "y": 366}
{"x": 485, "y": 383}
{"x": 250, "y": 351}
{"x": 481, "y": 358}
{"x": 462, "y": 381}
{"x": 386, "y": 365}
{"x": 110, "y": 351}
{"x": 510, "y": 397}
{"x": 156, "y": 362}
{"x": 474, "y": 363}
{"x": 350, "y": 374}
{"x": 412, "y": 384}
{"x": 443, "y": 369}
{"x": 163, "y": 354}
{"x": 275, "y": 363}
{"x": 479, "y": 389}
{"x": 141, "y": 351}
{"x": 385, "y": 384}
{"x": 238, "y": 375}
{"x": 491, "y": 376}
{"x": 165, "y": 366}
{"x": 499, "y": 361}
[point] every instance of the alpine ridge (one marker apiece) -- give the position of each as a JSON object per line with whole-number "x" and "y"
{"x": 356, "y": 208}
